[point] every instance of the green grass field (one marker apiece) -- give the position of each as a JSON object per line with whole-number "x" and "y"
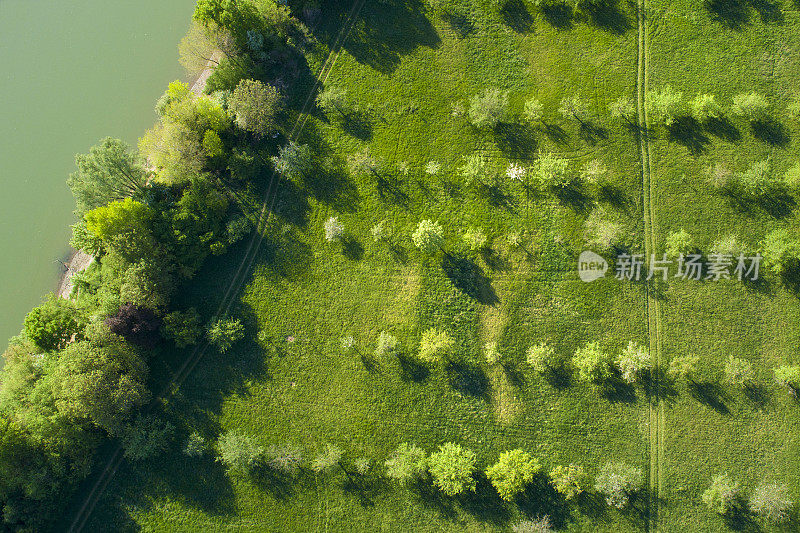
{"x": 291, "y": 381}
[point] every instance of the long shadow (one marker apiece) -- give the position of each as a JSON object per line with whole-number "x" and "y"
{"x": 468, "y": 379}
{"x": 469, "y": 278}
{"x": 592, "y": 133}
{"x": 540, "y": 498}
{"x": 741, "y": 518}
{"x": 291, "y": 203}
{"x": 615, "y": 389}
{"x": 575, "y": 197}
{"x": 710, "y": 394}
{"x": 658, "y": 385}
{"x": 556, "y": 133}
{"x": 367, "y": 488}
{"x": 497, "y": 197}
{"x": 689, "y": 133}
{"x": 516, "y": 140}
{"x": 484, "y": 503}
{"x": 384, "y": 32}
{"x": 459, "y": 22}
{"x": 615, "y": 196}
{"x": 358, "y": 124}
{"x": 411, "y": 369}
{"x": 771, "y": 132}
{"x": 731, "y": 13}
{"x": 558, "y": 15}
{"x": 516, "y": 16}
{"x": 723, "y": 128}
{"x": 606, "y": 15}
{"x": 352, "y": 248}
{"x": 430, "y": 497}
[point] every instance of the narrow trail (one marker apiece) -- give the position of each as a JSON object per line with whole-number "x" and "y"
{"x": 653, "y": 306}
{"x": 237, "y": 281}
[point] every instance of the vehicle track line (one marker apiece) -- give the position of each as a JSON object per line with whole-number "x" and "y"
{"x": 653, "y": 306}
{"x": 237, "y": 282}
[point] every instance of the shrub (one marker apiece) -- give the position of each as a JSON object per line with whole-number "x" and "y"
{"x": 433, "y": 167}
{"x": 428, "y": 237}
{"x": 387, "y": 345}
{"x": 285, "y": 459}
{"x": 514, "y": 470}
{"x": 487, "y": 110}
{"x": 474, "y": 169}
{"x": 551, "y": 172}
{"x": 327, "y": 459}
{"x": 721, "y": 497}
{"x": 539, "y": 525}
{"x": 683, "y": 367}
{"x": 196, "y": 445}
{"x": 623, "y": 108}
{"x": 679, "y": 242}
{"x": 574, "y": 107}
{"x": 771, "y": 501}
{"x": 634, "y": 360}
{"x": 334, "y": 230}
{"x": 729, "y": 245}
{"x": 603, "y": 232}
{"x": 569, "y": 481}
{"x": 592, "y": 363}
{"x": 665, "y": 105}
{"x": 333, "y": 98}
{"x": 51, "y": 325}
{"x": 452, "y": 467}
{"x": 738, "y": 372}
{"x": 381, "y": 231}
{"x": 147, "y": 437}
{"x": 533, "y": 110}
{"x": 781, "y": 251}
{"x": 435, "y": 345}
{"x": 757, "y": 180}
{"x": 705, "y": 107}
{"x": 224, "y": 333}
{"x": 542, "y": 358}
{"x": 618, "y": 482}
{"x": 593, "y": 172}
{"x": 475, "y": 239}
{"x": 407, "y": 464}
{"x": 788, "y": 376}
{"x": 753, "y": 106}
{"x": 182, "y": 327}
{"x": 255, "y": 106}
{"x": 239, "y": 452}
{"x": 137, "y": 325}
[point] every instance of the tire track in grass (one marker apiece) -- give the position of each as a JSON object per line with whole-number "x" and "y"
{"x": 236, "y": 283}
{"x": 653, "y": 307}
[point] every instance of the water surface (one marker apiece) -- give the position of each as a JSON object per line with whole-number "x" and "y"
{"x": 73, "y": 71}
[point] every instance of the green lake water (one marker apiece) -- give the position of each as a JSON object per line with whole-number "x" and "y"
{"x": 72, "y": 72}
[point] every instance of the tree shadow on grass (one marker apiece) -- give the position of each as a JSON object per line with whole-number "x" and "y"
{"x": 281, "y": 486}
{"x": 741, "y": 518}
{"x": 710, "y": 394}
{"x": 352, "y": 248}
{"x": 759, "y": 395}
{"x": 614, "y": 196}
{"x": 559, "y": 378}
{"x": 285, "y": 255}
{"x": 615, "y": 389}
{"x": 494, "y": 260}
{"x": 555, "y": 133}
{"x": 723, "y": 128}
{"x": 658, "y": 385}
{"x": 771, "y": 132}
{"x": 332, "y": 185}
{"x": 432, "y": 498}
{"x": 516, "y": 140}
{"x": 770, "y": 12}
{"x": 606, "y": 15}
{"x": 776, "y": 203}
{"x": 411, "y": 369}
{"x": 731, "y": 13}
{"x": 459, "y": 22}
{"x": 468, "y": 379}
{"x": 688, "y": 132}
{"x": 484, "y": 503}
{"x": 388, "y": 30}
{"x": 497, "y": 197}
{"x": 291, "y": 203}
{"x": 540, "y": 499}
{"x": 366, "y": 487}
{"x": 469, "y": 278}
{"x": 358, "y": 124}
{"x": 575, "y": 197}
{"x": 558, "y": 15}
{"x": 516, "y": 16}
{"x": 592, "y": 133}
{"x": 391, "y": 189}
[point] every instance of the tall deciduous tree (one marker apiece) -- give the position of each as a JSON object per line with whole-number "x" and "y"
{"x": 452, "y": 467}
{"x": 488, "y": 109}
{"x": 255, "y": 105}
{"x": 110, "y": 171}
{"x": 514, "y": 470}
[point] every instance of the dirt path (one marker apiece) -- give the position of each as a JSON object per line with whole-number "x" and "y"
{"x": 654, "y": 326}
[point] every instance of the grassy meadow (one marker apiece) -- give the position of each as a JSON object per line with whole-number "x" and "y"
{"x": 410, "y": 72}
